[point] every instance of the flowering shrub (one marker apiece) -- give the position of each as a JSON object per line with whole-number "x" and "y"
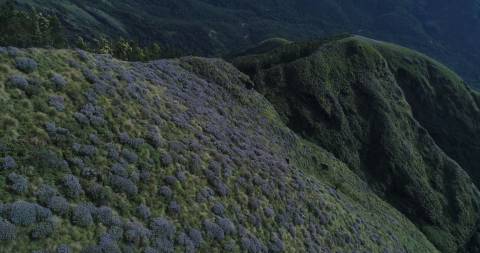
{"x": 8, "y": 162}
{"x": 72, "y": 186}
{"x": 18, "y": 183}
{"x": 58, "y": 81}
{"x": 18, "y": 81}
{"x": 8, "y": 231}
{"x": 82, "y": 215}
{"x": 25, "y": 64}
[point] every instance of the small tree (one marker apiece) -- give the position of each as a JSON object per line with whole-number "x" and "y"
{"x": 122, "y": 49}
{"x": 104, "y": 46}
{"x": 80, "y": 43}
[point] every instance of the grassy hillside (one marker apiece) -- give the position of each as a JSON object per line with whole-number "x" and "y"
{"x": 99, "y": 155}
{"x": 401, "y": 121}
{"x": 447, "y": 30}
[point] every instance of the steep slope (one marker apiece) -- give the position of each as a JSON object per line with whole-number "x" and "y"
{"x": 395, "y": 117}
{"x": 99, "y": 155}
{"x": 441, "y": 102}
{"x": 447, "y": 30}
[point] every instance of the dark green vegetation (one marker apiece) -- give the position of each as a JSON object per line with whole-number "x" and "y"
{"x": 126, "y": 49}
{"x": 447, "y": 30}
{"x": 30, "y": 27}
{"x": 398, "y": 119}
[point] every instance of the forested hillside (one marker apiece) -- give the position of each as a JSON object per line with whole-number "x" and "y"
{"x": 446, "y": 30}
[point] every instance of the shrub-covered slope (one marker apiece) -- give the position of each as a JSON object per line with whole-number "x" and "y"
{"x": 99, "y": 155}
{"x": 401, "y": 121}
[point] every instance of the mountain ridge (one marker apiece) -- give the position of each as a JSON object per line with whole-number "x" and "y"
{"x": 350, "y": 96}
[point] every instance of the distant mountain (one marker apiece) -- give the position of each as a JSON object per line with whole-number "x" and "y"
{"x": 446, "y": 30}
